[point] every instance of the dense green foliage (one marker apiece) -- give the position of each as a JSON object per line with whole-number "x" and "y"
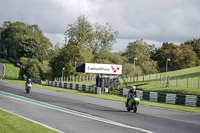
{"x": 19, "y": 40}
{"x": 86, "y": 43}
{"x": 184, "y": 56}
{"x": 22, "y": 40}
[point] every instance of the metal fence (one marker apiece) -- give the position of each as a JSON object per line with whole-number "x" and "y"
{"x": 167, "y": 81}
{"x": 82, "y": 78}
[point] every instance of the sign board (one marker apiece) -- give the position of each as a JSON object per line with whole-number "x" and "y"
{"x": 103, "y": 68}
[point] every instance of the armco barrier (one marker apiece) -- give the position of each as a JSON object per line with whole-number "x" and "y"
{"x": 39, "y": 81}
{"x": 188, "y": 100}
{"x": 86, "y": 88}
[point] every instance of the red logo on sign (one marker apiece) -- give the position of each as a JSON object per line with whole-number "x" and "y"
{"x": 115, "y": 70}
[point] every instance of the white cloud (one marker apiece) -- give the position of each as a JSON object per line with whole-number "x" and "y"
{"x": 152, "y": 20}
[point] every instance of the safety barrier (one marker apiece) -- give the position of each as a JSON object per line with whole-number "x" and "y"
{"x": 39, "y": 81}
{"x": 177, "y": 99}
{"x": 86, "y": 88}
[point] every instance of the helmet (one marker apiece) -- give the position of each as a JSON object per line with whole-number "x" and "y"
{"x": 29, "y": 80}
{"x": 133, "y": 88}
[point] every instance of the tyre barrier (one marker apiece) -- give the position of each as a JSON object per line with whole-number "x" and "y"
{"x": 177, "y": 99}
{"x": 86, "y": 88}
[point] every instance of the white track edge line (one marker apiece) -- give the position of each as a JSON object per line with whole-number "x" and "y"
{"x": 3, "y": 71}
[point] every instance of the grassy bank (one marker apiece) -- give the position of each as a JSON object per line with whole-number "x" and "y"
{"x": 13, "y": 124}
{"x": 157, "y": 87}
{"x": 185, "y": 81}
{"x": 12, "y": 72}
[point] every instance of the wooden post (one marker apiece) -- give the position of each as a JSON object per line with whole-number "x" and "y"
{"x": 198, "y": 82}
{"x": 168, "y": 81}
{"x": 160, "y": 78}
{"x": 187, "y": 82}
{"x": 163, "y": 81}
{"x": 143, "y": 77}
{"x": 156, "y": 78}
{"x": 150, "y": 77}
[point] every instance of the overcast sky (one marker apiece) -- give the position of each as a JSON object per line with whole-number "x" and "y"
{"x": 154, "y": 21}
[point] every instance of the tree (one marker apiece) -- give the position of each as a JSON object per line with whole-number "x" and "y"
{"x": 185, "y": 57}
{"x": 129, "y": 70}
{"x": 22, "y": 40}
{"x": 96, "y": 39}
{"x": 85, "y": 43}
{"x": 67, "y": 57}
{"x": 111, "y": 58}
{"x": 149, "y": 67}
{"x": 195, "y": 43}
{"x": 103, "y": 39}
{"x": 138, "y": 49}
{"x": 164, "y": 53}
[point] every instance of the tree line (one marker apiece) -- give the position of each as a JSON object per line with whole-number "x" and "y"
{"x": 87, "y": 42}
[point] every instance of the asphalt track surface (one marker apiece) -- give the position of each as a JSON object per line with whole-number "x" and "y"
{"x": 72, "y": 113}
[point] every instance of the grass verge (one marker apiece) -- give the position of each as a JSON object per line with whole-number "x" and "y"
{"x": 112, "y": 97}
{"x": 157, "y": 87}
{"x": 12, "y": 72}
{"x": 11, "y": 123}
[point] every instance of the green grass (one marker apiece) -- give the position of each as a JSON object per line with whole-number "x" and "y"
{"x": 185, "y": 81}
{"x": 12, "y": 72}
{"x": 157, "y": 87}
{"x": 13, "y": 124}
{"x": 112, "y": 97}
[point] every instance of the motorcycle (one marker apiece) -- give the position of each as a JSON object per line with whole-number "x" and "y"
{"x": 132, "y": 104}
{"x": 28, "y": 87}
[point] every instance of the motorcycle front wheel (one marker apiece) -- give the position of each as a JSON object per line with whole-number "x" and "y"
{"x": 134, "y": 107}
{"x": 27, "y": 90}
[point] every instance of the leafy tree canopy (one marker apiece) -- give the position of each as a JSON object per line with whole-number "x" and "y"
{"x": 138, "y": 49}
{"x": 22, "y": 40}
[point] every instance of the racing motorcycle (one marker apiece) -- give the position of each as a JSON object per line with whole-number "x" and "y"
{"x": 132, "y": 104}
{"x": 28, "y": 87}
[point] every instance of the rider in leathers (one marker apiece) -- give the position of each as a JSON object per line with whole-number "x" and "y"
{"x": 131, "y": 93}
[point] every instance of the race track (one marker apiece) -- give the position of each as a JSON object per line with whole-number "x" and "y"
{"x": 72, "y": 113}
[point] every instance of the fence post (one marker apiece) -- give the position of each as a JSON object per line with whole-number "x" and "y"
{"x": 176, "y": 82}
{"x": 198, "y": 82}
{"x": 163, "y": 81}
{"x": 156, "y": 78}
{"x": 143, "y": 77}
{"x": 160, "y": 78}
{"x": 167, "y": 82}
{"x": 187, "y": 82}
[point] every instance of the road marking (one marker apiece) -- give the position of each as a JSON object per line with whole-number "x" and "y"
{"x": 69, "y": 111}
{"x": 4, "y": 69}
{"x": 32, "y": 120}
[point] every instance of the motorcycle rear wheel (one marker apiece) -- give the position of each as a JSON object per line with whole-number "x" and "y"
{"x": 128, "y": 109}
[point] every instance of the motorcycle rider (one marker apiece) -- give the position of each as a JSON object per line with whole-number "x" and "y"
{"x": 131, "y": 93}
{"x": 28, "y": 82}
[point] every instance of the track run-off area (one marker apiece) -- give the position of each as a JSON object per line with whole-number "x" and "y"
{"x": 73, "y": 113}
